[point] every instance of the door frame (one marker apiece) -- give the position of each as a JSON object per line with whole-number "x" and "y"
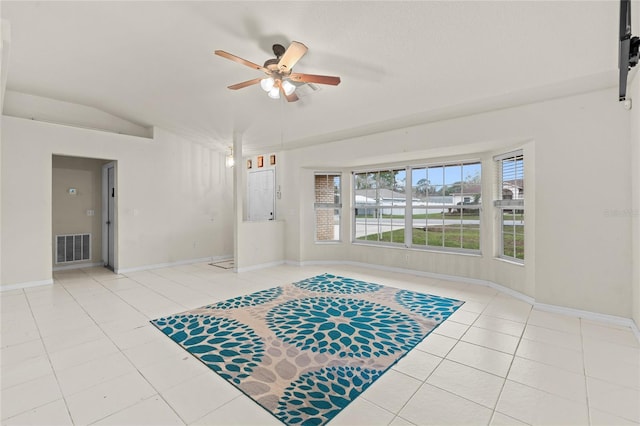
{"x": 105, "y": 215}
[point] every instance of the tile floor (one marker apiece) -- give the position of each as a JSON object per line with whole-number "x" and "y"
{"x": 82, "y": 351}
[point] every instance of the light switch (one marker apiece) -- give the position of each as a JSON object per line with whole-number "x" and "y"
{"x": 91, "y": 212}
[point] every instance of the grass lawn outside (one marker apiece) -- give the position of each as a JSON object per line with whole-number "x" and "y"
{"x": 454, "y": 236}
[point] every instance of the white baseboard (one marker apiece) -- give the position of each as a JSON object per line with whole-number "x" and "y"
{"x": 593, "y": 316}
{"x": 28, "y": 284}
{"x": 169, "y": 264}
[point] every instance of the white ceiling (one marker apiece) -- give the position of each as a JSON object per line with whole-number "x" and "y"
{"x": 400, "y": 62}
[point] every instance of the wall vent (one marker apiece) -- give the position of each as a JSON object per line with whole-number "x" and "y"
{"x": 73, "y": 247}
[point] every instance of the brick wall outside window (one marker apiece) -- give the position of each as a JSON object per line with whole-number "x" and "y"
{"x": 327, "y": 203}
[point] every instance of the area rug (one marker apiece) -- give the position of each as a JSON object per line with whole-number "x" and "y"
{"x": 304, "y": 351}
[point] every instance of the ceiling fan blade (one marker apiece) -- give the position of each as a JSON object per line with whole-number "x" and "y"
{"x": 245, "y": 84}
{"x": 291, "y": 56}
{"x": 312, "y": 78}
{"x": 241, "y": 61}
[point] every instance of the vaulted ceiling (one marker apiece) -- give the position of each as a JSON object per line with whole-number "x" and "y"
{"x": 401, "y": 63}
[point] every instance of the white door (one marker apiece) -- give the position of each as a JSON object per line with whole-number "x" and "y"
{"x": 260, "y": 193}
{"x": 108, "y": 215}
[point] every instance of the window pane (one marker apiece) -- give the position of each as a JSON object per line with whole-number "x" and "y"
{"x": 512, "y": 181}
{"x": 437, "y": 217}
{"x": 327, "y": 207}
{"x": 511, "y": 187}
{"x": 513, "y": 233}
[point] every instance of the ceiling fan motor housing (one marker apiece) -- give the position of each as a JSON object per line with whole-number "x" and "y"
{"x": 278, "y": 50}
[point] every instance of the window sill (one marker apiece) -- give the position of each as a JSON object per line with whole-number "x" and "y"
{"x": 509, "y": 261}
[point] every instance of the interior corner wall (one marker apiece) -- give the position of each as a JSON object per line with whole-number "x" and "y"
{"x": 578, "y": 245}
{"x": 173, "y": 197}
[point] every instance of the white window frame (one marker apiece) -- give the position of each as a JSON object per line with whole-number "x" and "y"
{"x": 377, "y": 207}
{"x": 477, "y": 207}
{"x": 408, "y": 207}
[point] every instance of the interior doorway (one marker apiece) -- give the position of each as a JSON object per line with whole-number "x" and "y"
{"x": 80, "y": 210}
{"x": 109, "y": 216}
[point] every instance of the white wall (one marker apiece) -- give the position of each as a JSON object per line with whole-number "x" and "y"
{"x": 258, "y": 243}
{"x": 634, "y": 91}
{"x": 174, "y": 197}
{"x": 577, "y": 173}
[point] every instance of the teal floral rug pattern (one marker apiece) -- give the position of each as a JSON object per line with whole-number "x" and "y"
{"x": 304, "y": 351}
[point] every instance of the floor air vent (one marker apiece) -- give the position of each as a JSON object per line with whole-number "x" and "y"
{"x": 72, "y": 248}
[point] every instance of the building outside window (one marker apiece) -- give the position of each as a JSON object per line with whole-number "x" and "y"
{"x": 327, "y": 206}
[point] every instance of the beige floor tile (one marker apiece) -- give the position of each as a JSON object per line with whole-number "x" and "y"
{"x": 491, "y": 339}
{"x": 392, "y": 390}
{"x": 29, "y": 395}
{"x": 500, "y": 419}
{"x": 107, "y": 398}
{"x": 89, "y": 374}
{"x": 557, "y": 356}
{"x": 550, "y": 379}
{"x": 399, "y": 421}
{"x": 614, "y": 399}
{"x": 451, "y": 329}
{"x": 482, "y": 358}
{"x": 52, "y": 414}
{"x": 241, "y": 411}
{"x": 554, "y": 321}
{"x": 200, "y": 396}
{"x": 549, "y": 357}
{"x": 500, "y": 325}
{"x": 22, "y": 372}
{"x": 609, "y": 333}
{"x": 472, "y": 384}
{"x": 553, "y": 337}
{"x": 362, "y": 412}
{"x": 508, "y": 308}
{"x": 417, "y": 364}
{"x": 434, "y": 406}
{"x": 16, "y": 354}
{"x": 537, "y": 407}
{"x": 83, "y": 353}
{"x": 437, "y": 344}
{"x": 614, "y": 363}
{"x": 600, "y": 418}
{"x": 60, "y": 341}
{"x": 154, "y": 352}
{"x": 173, "y": 371}
{"x": 597, "y": 349}
{"x": 153, "y": 411}
{"x": 463, "y": 317}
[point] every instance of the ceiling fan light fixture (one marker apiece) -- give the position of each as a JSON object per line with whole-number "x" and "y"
{"x": 274, "y": 93}
{"x": 288, "y": 87}
{"x": 267, "y": 83}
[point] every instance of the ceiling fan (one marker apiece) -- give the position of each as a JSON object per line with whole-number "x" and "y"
{"x": 279, "y": 72}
